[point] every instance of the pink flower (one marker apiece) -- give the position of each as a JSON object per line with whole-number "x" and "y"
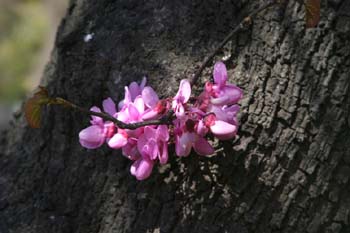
{"x": 221, "y": 129}
{"x": 222, "y": 93}
{"x": 225, "y": 113}
{"x": 132, "y": 92}
{"x": 185, "y": 142}
{"x": 142, "y": 168}
{"x": 152, "y": 145}
{"x": 181, "y": 98}
{"x": 186, "y": 138}
{"x": 95, "y": 135}
{"x": 131, "y": 112}
{"x": 130, "y": 149}
{"x": 152, "y": 102}
{"x": 92, "y": 137}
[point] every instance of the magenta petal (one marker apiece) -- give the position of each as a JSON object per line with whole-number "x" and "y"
{"x": 134, "y": 114}
{"x": 220, "y": 73}
{"x": 109, "y": 106}
{"x": 127, "y": 96}
{"x": 117, "y": 141}
{"x": 130, "y": 149}
{"x": 139, "y": 104}
{"x": 143, "y": 83}
{"x": 163, "y": 157}
{"x": 233, "y": 109}
{"x": 234, "y": 93}
{"x": 163, "y": 133}
{"x": 222, "y": 100}
{"x": 202, "y": 147}
{"x": 223, "y": 130}
{"x": 150, "y": 97}
{"x": 92, "y": 137}
{"x": 147, "y": 147}
{"x": 142, "y": 145}
{"x": 120, "y": 105}
{"x": 185, "y": 87}
{"x": 183, "y": 144}
{"x": 155, "y": 153}
{"x": 149, "y": 132}
{"x": 202, "y": 130}
{"x": 184, "y": 92}
{"x": 134, "y": 90}
{"x": 141, "y": 169}
{"x": 218, "y": 111}
{"x": 134, "y": 133}
{"x": 180, "y": 111}
{"x": 122, "y": 116}
{"x": 231, "y": 113}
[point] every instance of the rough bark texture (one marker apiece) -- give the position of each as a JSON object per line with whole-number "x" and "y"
{"x": 288, "y": 171}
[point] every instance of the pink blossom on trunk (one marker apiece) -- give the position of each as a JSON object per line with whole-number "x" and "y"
{"x": 181, "y": 98}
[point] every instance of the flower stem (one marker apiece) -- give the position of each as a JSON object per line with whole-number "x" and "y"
{"x": 165, "y": 120}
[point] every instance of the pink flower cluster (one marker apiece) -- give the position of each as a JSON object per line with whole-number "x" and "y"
{"x": 212, "y": 112}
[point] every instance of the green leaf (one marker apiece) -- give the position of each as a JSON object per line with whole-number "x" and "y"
{"x": 312, "y": 8}
{"x": 33, "y": 106}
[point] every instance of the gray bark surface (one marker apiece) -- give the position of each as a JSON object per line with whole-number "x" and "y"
{"x": 287, "y": 172}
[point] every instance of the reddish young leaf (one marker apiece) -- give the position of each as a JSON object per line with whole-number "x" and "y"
{"x": 32, "y": 108}
{"x": 312, "y": 8}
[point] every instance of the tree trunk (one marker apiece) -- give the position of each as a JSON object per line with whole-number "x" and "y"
{"x": 287, "y": 172}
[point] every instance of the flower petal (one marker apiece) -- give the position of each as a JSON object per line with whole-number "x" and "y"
{"x": 149, "y": 131}
{"x": 127, "y": 96}
{"x": 142, "y": 144}
{"x": 218, "y": 111}
{"x": 143, "y": 83}
{"x": 109, "y": 106}
{"x": 203, "y": 147}
{"x": 220, "y": 73}
{"x": 223, "y": 130}
{"x": 183, "y": 144}
{"x": 221, "y": 100}
{"x": 233, "y": 92}
{"x": 122, "y": 116}
{"x": 184, "y": 92}
{"x": 117, "y": 141}
{"x": 92, "y": 137}
{"x": 233, "y": 109}
{"x": 162, "y": 133}
{"x": 155, "y": 153}
{"x": 163, "y": 157}
{"x": 202, "y": 130}
{"x": 147, "y": 144}
{"x": 231, "y": 113}
{"x": 150, "y": 97}
{"x": 134, "y": 90}
{"x": 139, "y": 104}
{"x": 134, "y": 114}
{"x": 180, "y": 111}
{"x": 141, "y": 169}
{"x": 130, "y": 149}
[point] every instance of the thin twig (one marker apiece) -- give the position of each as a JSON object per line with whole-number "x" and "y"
{"x": 246, "y": 20}
{"x": 165, "y": 120}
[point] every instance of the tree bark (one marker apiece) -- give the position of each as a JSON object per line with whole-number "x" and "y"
{"x": 287, "y": 172}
